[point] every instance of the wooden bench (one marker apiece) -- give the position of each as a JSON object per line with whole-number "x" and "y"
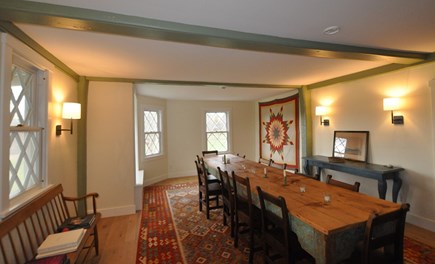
{"x": 22, "y": 232}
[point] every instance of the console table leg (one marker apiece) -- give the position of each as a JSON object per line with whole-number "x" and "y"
{"x": 382, "y": 188}
{"x": 307, "y": 168}
{"x": 397, "y": 184}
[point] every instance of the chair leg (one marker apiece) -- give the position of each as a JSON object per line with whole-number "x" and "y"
{"x": 251, "y": 245}
{"x": 96, "y": 240}
{"x": 207, "y": 206}
{"x": 236, "y": 233}
{"x": 200, "y": 201}
{"x": 232, "y": 224}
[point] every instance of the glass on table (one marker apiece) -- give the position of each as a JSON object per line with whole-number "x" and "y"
{"x": 327, "y": 198}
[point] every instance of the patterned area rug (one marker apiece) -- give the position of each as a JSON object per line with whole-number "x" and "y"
{"x": 173, "y": 231}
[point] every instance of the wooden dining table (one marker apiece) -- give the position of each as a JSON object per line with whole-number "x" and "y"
{"x": 329, "y": 231}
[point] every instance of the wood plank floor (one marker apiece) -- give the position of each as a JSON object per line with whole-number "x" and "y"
{"x": 118, "y": 235}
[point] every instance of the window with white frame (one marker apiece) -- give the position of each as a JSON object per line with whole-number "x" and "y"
{"x": 152, "y": 132}
{"x": 23, "y": 143}
{"x": 25, "y": 136}
{"x": 217, "y": 131}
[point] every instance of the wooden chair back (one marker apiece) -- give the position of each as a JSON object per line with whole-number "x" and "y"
{"x": 245, "y": 214}
{"x": 200, "y": 173}
{"x": 227, "y": 199}
{"x": 353, "y": 187}
{"x": 383, "y": 231}
{"x": 209, "y": 152}
{"x": 274, "y": 226}
{"x": 266, "y": 162}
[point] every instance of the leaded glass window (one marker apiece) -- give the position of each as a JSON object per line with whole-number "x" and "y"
{"x": 152, "y": 132}
{"x": 25, "y": 137}
{"x": 217, "y": 131}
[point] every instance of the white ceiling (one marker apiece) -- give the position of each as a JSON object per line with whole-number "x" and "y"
{"x": 384, "y": 24}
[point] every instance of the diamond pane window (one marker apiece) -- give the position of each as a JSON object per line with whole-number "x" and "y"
{"x": 152, "y": 132}
{"x": 217, "y": 131}
{"x": 25, "y": 140}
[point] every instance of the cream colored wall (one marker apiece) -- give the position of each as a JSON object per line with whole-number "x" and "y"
{"x": 358, "y": 105}
{"x": 62, "y": 150}
{"x": 110, "y": 156}
{"x": 186, "y": 132}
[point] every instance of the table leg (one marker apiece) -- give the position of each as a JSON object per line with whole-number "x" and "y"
{"x": 397, "y": 183}
{"x": 382, "y": 188}
{"x": 307, "y": 168}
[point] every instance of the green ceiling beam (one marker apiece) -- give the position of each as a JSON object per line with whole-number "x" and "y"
{"x": 366, "y": 73}
{"x": 98, "y": 21}
{"x": 193, "y": 83}
{"x": 10, "y": 28}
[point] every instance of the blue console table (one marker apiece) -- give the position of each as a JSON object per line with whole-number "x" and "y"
{"x": 374, "y": 171}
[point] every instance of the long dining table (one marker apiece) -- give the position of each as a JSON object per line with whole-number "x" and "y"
{"x": 329, "y": 231}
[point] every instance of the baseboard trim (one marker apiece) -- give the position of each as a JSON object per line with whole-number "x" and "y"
{"x": 118, "y": 211}
{"x": 419, "y": 221}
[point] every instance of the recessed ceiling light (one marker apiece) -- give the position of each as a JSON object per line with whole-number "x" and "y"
{"x": 331, "y": 30}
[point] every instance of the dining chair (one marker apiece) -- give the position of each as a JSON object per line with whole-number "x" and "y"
{"x": 209, "y": 152}
{"x": 227, "y": 199}
{"x": 385, "y": 232}
{"x": 353, "y": 187}
{"x": 247, "y": 217}
{"x": 264, "y": 161}
{"x": 210, "y": 176}
{"x": 209, "y": 191}
{"x": 281, "y": 166}
{"x": 279, "y": 241}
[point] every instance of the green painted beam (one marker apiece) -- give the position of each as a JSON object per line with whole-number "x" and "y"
{"x": 10, "y": 28}
{"x": 366, "y": 73}
{"x": 82, "y": 94}
{"x": 193, "y": 83}
{"x": 98, "y": 21}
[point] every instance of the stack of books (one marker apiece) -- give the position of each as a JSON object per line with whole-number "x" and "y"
{"x": 60, "y": 243}
{"x": 77, "y": 222}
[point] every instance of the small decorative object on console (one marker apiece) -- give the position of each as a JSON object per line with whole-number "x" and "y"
{"x": 335, "y": 160}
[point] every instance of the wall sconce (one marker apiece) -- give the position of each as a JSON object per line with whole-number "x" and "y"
{"x": 69, "y": 111}
{"x": 321, "y": 111}
{"x": 391, "y": 104}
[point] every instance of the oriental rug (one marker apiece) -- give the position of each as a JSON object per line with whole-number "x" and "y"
{"x": 173, "y": 231}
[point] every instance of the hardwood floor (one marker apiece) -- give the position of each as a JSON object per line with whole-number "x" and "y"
{"x": 118, "y": 235}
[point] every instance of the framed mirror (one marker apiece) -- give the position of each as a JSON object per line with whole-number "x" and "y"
{"x": 351, "y": 145}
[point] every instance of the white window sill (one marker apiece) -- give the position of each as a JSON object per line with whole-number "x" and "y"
{"x": 24, "y": 199}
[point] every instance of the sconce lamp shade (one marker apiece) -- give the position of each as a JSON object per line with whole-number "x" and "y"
{"x": 321, "y": 110}
{"x": 391, "y": 104}
{"x": 71, "y": 111}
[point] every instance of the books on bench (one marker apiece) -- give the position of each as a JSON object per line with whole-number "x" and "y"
{"x": 76, "y": 223}
{"x": 60, "y": 243}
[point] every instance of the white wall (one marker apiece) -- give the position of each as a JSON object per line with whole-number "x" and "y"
{"x": 358, "y": 105}
{"x": 62, "y": 150}
{"x": 110, "y": 156}
{"x": 186, "y": 132}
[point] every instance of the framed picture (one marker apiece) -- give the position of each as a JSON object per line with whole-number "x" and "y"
{"x": 351, "y": 145}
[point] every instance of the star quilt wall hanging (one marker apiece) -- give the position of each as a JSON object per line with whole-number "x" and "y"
{"x": 279, "y": 130}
